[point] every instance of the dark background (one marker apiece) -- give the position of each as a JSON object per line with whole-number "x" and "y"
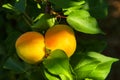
{"x": 111, "y": 25}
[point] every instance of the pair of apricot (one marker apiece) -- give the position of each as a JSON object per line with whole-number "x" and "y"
{"x": 31, "y": 46}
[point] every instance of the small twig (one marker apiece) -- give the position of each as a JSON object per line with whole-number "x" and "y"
{"x": 26, "y": 21}
{"x": 49, "y": 10}
{"x": 60, "y": 16}
{"x": 28, "y": 18}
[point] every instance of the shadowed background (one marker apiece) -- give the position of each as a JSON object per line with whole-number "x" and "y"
{"x": 111, "y": 25}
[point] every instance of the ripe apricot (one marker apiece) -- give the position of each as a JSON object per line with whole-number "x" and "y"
{"x": 61, "y": 37}
{"x": 30, "y": 47}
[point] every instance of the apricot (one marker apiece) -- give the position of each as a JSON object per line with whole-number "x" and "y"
{"x": 61, "y": 37}
{"x": 30, "y": 47}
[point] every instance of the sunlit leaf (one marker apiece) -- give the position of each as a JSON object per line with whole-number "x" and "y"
{"x": 68, "y": 10}
{"x": 43, "y": 22}
{"x": 66, "y": 3}
{"x": 57, "y": 63}
{"x": 8, "y": 6}
{"x": 88, "y": 79}
{"x": 19, "y": 6}
{"x": 92, "y": 65}
{"x": 38, "y": 6}
{"x": 51, "y": 76}
{"x": 81, "y": 21}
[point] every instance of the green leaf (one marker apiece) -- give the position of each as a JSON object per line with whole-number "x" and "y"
{"x": 20, "y": 5}
{"x": 10, "y": 41}
{"x": 98, "y": 9}
{"x": 50, "y": 76}
{"x": 43, "y": 22}
{"x": 57, "y": 63}
{"x": 65, "y": 3}
{"x": 68, "y": 10}
{"x": 88, "y": 79}
{"x": 13, "y": 65}
{"x": 8, "y": 6}
{"x": 81, "y": 21}
{"x": 92, "y": 65}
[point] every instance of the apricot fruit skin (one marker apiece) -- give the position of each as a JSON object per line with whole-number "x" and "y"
{"x": 61, "y": 37}
{"x": 30, "y": 47}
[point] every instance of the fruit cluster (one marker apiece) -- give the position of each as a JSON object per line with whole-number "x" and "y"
{"x": 31, "y": 46}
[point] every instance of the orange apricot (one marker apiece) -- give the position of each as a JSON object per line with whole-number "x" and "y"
{"x": 30, "y": 47}
{"x": 61, "y": 37}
